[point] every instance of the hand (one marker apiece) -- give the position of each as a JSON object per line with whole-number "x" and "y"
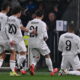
{"x": 12, "y": 43}
{"x": 34, "y": 32}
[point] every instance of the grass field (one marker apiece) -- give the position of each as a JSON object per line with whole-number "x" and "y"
{"x": 38, "y": 76}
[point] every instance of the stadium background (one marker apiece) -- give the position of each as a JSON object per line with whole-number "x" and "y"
{"x": 53, "y": 10}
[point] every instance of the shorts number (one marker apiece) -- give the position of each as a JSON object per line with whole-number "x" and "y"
{"x": 12, "y": 29}
{"x": 32, "y": 28}
{"x": 68, "y": 45}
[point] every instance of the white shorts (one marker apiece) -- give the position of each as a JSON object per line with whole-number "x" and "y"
{"x": 73, "y": 61}
{"x": 43, "y": 49}
{"x": 36, "y": 54}
{"x": 20, "y": 47}
{"x": 4, "y": 44}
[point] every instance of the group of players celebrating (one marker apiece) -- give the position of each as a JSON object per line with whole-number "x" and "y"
{"x": 11, "y": 39}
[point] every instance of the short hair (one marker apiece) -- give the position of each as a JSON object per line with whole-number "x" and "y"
{"x": 16, "y": 10}
{"x": 71, "y": 25}
{"x": 39, "y": 13}
{"x": 5, "y": 5}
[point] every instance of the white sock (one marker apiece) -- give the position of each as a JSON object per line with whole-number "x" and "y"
{"x": 73, "y": 73}
{"x": 49, "y": 64}
{"x": 1, "y": 62}
{"x": 12, "y": 64}
{"x": 21, "y": 59}
{"x": 17, "y": 58}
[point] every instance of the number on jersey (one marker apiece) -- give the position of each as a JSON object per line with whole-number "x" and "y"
{"x": 12, "y": 29}
{"x": 68, "y": 45}
{"x": 32, "y": 28}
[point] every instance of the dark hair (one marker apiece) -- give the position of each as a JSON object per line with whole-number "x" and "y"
{"x": 16, "y": 10}
{"x": 5, "y": 5}
{"x": 39, "y": 13}
{"x": 71, "y": 25}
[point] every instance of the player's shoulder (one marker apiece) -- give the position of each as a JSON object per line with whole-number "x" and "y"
{"x": 76, "y": 36}
{"x": 14, "y": 18}
{"x": 62, "y": 35}
{"x": 70, "y": 34}
{"x": 3, "y": 15}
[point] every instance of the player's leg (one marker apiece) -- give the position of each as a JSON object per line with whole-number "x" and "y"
{"x": 36, "y": 56}
{"x": 22, "y": 54}
{"x": 64, "y": 64}
{"x": 2, "y": 55}
{"x": 13, "y": 60}
{"x": 75, "y": 62}
{"x": 50, "y": 65}
{"x": 46, "y": 52}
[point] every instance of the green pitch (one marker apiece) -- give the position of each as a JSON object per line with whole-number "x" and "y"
{"x": 38, "y": 76}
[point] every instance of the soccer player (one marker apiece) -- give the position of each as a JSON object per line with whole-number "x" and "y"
{"x": 15, "y": 36}
{"x": 69, "y": 45}
{"x": 3, "y": 36}
{"x": 37, "y": 42}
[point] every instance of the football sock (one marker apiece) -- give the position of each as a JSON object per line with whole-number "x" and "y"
{"x": 1, "y": 62}
{"x": 49, "y": 64}
{"x": 73, "y": 73}
{"x": 12, "y": 64}
{"x": 21, "y": 59}
{"x": 17, "y": 58}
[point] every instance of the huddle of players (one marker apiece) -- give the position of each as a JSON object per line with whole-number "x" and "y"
{"x": 11, "y": 38}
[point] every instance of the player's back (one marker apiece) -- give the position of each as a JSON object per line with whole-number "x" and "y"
{"x": 14, "y": 25}
{"x": 3, "y": 22}
{"x": 40, "y": 27}
{"x": 69, "y": 43}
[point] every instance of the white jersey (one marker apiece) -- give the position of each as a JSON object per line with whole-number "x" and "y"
{"x": 40, "y": 26}
{"x": 69, "y": 44}
{"x": 3, "y": 22}
{"x": 13, "y": 29}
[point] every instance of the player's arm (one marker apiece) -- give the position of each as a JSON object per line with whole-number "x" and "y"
{"x": 45, "y": 35}
{"x": 78, "y": 45}
{"x": 9, "y": 36}
{"x": 25, "y": 29}
{"x": 60, "y": 45}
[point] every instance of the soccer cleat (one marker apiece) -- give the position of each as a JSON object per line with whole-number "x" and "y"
{"x": 52, "y": 73}
{"x": 32, "y": 69}
{"x": 61, "y": 72}
{"x": 14, "y": 74}
{"x": 23, "y": 72}
{"x": 55, "y": 70}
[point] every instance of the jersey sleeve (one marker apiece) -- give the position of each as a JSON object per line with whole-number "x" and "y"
{"x": 19, "y": 23}
{"x": 78, "y": 44}
{"x": 27, "y": 26}
{"x": 60, "y": 45}
{"x": 45, "y": 30}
